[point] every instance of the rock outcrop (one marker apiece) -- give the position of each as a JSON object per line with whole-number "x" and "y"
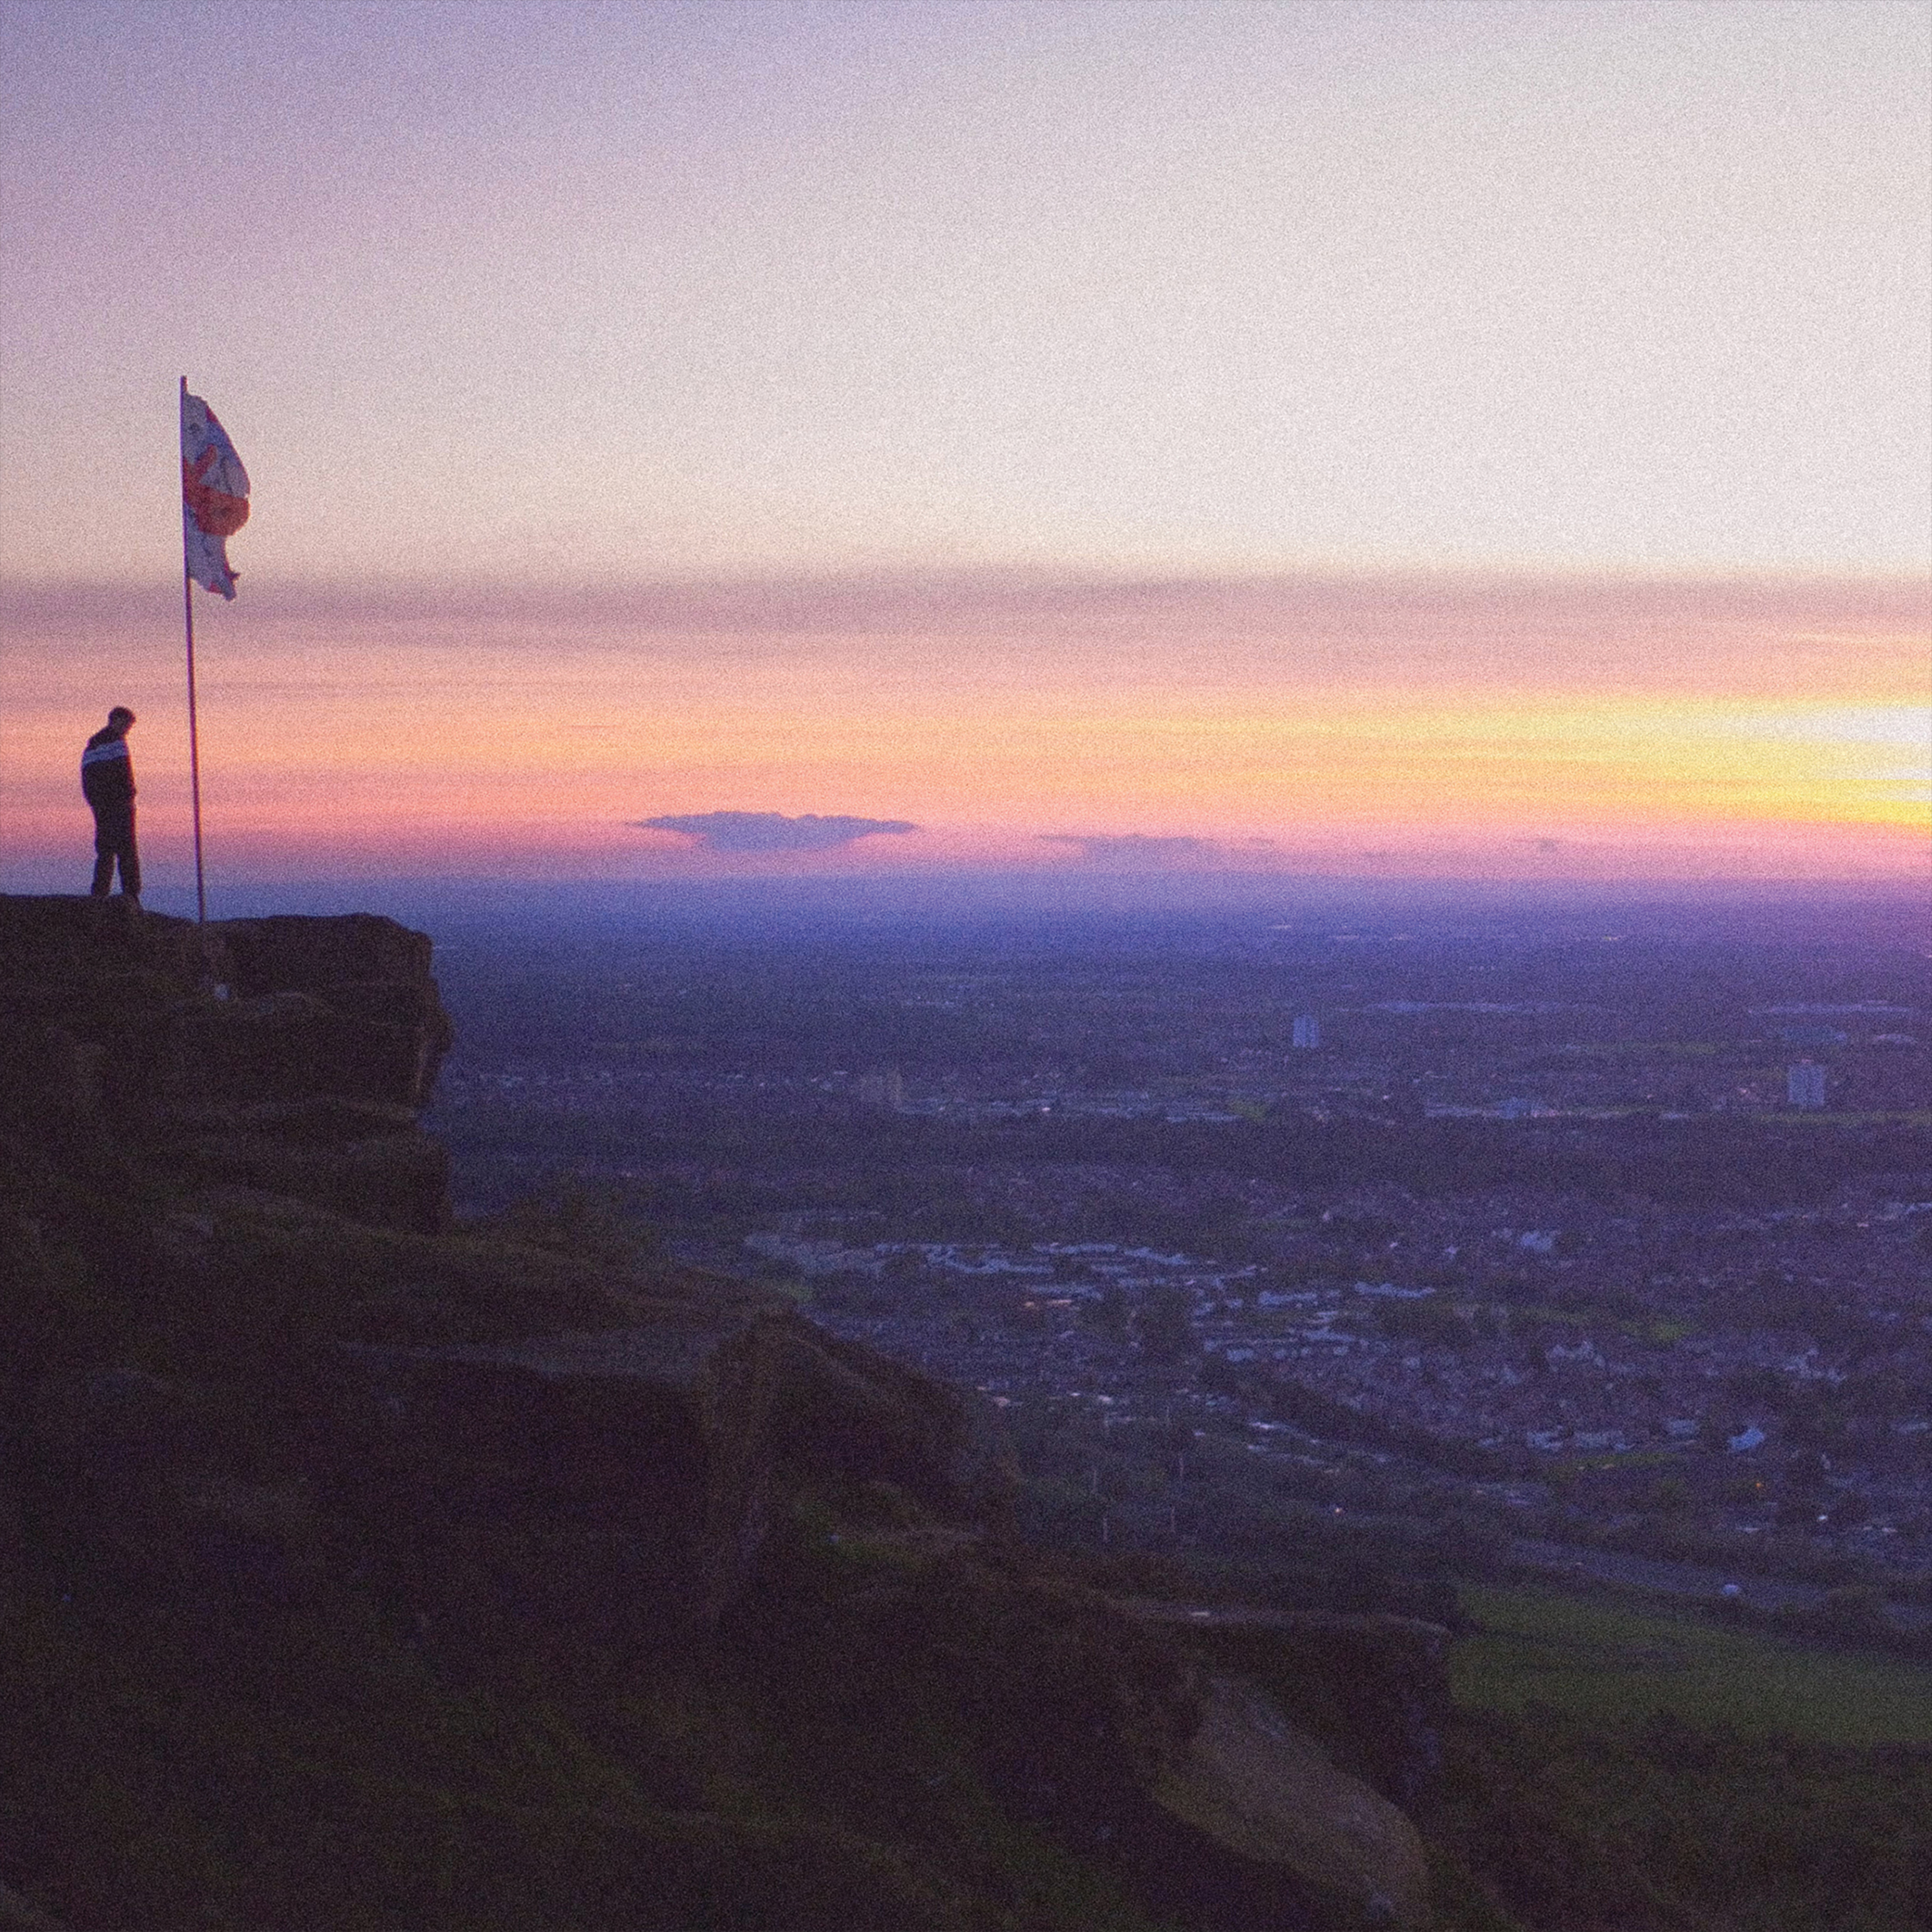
{"x": 287, "y": 1054}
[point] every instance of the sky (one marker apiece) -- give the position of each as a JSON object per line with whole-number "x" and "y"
{"x": 1374, "y": 439}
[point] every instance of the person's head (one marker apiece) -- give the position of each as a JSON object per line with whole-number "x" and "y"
{"x": 119, "y": 718}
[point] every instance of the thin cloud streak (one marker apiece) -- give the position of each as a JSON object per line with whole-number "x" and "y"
{"x": 1141, "y": 851}
{"x": 1766, "y": 636}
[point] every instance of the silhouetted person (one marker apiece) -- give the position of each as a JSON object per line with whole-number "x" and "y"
{"x": 107, "y": 782}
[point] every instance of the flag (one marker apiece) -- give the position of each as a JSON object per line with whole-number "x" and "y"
{"x": 215, "y": 496}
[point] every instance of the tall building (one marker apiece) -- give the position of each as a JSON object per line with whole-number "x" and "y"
{"x": 1804, "y": 1084}
{"x": 1307, "y": 1029}
{"x": 886, "y": 1089}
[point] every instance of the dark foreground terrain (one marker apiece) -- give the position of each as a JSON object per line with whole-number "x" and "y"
{"x": 361, "y": 1567}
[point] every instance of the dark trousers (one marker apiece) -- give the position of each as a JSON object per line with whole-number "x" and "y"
{"x": 114, "y": 842}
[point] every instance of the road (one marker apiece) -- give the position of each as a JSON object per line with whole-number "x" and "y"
{"x": 1685, "y": 1579}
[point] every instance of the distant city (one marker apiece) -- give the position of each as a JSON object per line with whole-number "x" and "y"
{"x": 1609, "y": 1251}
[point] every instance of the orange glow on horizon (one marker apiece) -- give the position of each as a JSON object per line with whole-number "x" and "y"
{"x": 1477, "y": 745}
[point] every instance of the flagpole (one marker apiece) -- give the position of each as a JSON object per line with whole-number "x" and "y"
{"x": 193, "y": 732}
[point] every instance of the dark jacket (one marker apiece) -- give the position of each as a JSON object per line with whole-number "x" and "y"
{"x": 107, "y": 772}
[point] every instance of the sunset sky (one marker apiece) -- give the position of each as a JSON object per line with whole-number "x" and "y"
{"x": 1383, "y": 440}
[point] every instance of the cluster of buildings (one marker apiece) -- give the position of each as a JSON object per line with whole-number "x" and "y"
{"x": 1609, "y": 1342}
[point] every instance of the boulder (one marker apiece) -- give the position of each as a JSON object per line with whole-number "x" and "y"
{"x": 1263, "y": 1788}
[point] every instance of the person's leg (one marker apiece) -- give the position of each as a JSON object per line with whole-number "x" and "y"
{"x": 103, "y": 854}
{"x": 130, "y": 859}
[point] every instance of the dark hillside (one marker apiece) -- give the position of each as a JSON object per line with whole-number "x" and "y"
{"x": 360, "y": 1569}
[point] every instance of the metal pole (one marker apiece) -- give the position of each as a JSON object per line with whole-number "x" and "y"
{"x": 193, "y": 731}
{"x": 193, "y": 746}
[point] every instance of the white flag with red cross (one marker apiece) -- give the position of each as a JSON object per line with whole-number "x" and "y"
{"x": 215, "y": 496}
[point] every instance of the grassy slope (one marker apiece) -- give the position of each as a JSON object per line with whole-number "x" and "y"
{"x": 1614, "y": 1768}
{"x": 1607, "y": 1662}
